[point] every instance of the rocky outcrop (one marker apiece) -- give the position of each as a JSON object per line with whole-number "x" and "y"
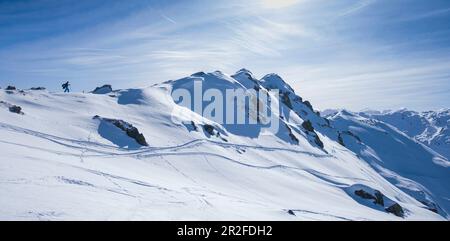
{"x": 396, "y": 209}
{"x": 12, "y": 108}
{"x": 128, "y": 128}
{"x": 310, "y": 131}
{"x": 10, "y": 87}
{"x": 291, "y": 135}
{"x": 308, "y": 104}
{"x": 291, "y": 212}
{"x": 210, "y": 130}
{"x": 308, "y": 126}
{"x": 286, "y": 100}
{"x": 105, "y": 89}
{"x": 37, "y": 88}
{"x": 15, "y": 109}
{"x": 379, "y": 199}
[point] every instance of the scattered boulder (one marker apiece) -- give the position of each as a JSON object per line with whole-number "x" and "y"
{"x": 128, "y": 128}
{"x": 194, "y": 126}
{"x": 379, "y": 199}
{"x": 15, "y": 109}
{"x": 209, "y": 129}
{"x": 12, "y": 108}
{"x": 291, "y": 212}
{"x": 363, "y": 194}
{"x": 105, "y": 89}
{"x": 396, "y": 209}
{"x": 10, "y": 87}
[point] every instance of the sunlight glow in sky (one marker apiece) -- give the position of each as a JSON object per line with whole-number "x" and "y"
{"x": 379, "y": 54}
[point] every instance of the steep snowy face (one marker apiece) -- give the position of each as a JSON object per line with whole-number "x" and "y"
{"x": 431, "y": 128}
{"x": 406, "y": 163}
{"x": 261, "y": 105}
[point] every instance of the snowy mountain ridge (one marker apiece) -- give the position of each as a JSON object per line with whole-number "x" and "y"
{"x": 431, "y": 128}
{"x": 77, "y": 156}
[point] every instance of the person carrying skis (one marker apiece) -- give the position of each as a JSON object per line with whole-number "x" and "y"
{"x": 65, "y": 86}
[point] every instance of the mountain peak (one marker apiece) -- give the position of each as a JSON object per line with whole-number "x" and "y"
{"x": 246, "y": 78}
{"x": 274, "y": 81}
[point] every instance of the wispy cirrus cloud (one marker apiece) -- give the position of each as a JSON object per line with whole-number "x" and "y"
{"x": 356, "y": 7}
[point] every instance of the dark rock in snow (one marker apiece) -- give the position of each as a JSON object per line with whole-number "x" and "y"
{"x": 15, "y": 109}
{"x": 431, "y": 206}
{"x": 10, "y": 87}
{"x": 379, "y": 198}
{"x": 291, "y": 135}
{"x": 340, "y": 140}
{"x": 308, "y": 126}
{"x": 191, "y": 126}
{"x": 285, "y": 99}
{"x": 12, "y": 108}
{"x": 37, "y": 88}
{"x": 291, "y": 212}
{"x": 396, "y": 209}
{"x": 363, "y": 194}
{"x": 209, "y": 129}
{"x": 129, "y": 129}
{"x": 308, "y": 104}
{"x": 318, "y": 141}
{"x": 194, "y": 127}
{"x": 105, "y": 89}
{"x": 201, "y": 73}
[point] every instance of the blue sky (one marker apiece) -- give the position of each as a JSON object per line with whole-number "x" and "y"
{"x": 379, "y": 54}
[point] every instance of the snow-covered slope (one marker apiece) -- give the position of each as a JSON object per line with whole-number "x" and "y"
{"x": 406, "y": 163}
{"x": 58, "y": 162}
{"x": 431, "y": 128}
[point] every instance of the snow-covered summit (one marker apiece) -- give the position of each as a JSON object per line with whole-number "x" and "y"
{"x": 274, "y": 81}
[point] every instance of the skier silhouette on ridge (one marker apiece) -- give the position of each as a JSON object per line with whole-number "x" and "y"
{"x": 65, "y": 86}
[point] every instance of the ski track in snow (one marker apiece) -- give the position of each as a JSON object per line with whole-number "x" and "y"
{"x": 83, "y": 144}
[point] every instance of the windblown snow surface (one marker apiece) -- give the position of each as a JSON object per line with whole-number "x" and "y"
{"x": 57, "y": 162}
